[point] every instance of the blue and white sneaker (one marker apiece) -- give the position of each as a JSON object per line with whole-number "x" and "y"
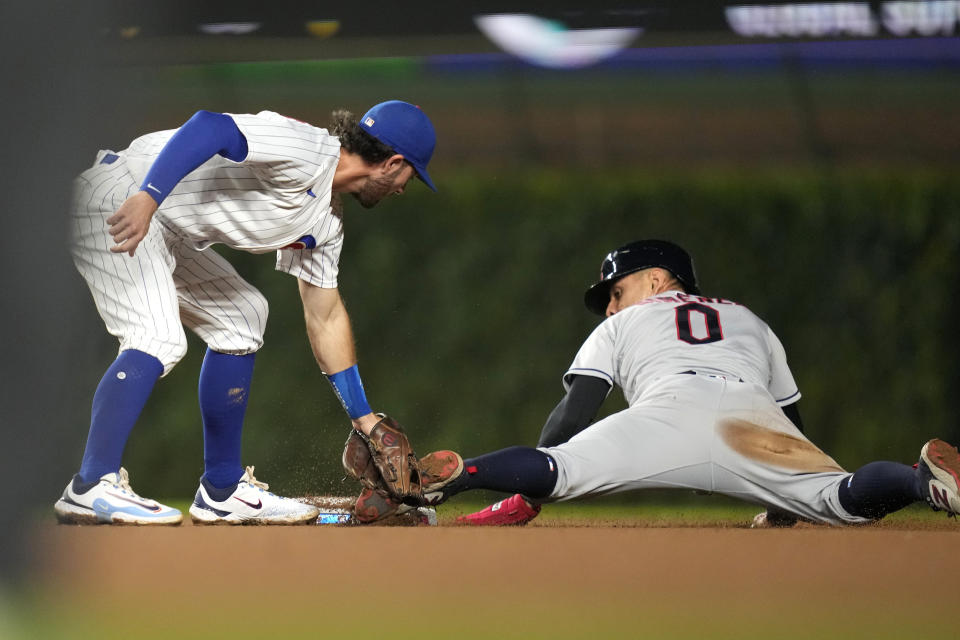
{"x": 111, "y": 501}
{"x": 939, "y": 469}
{"x": 249, "y": 503}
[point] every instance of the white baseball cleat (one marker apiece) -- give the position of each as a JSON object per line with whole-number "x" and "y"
{"x": 111, "y": 501}
{"x": 250, "y": 503}
{"x": 939, "y": 469}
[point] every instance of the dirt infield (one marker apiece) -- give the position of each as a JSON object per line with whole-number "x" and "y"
{"x": 539, "y": 581}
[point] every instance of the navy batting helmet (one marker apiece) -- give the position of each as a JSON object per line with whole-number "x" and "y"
{"x": 642, "y": 254}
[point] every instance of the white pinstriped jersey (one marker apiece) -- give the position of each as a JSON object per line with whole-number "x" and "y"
{"x": 277, "y": 199}
{"x": 674, "y": 332}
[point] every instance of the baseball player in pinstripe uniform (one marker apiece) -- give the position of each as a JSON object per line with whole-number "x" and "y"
{"x": 712, "y": 407}
{"x": 143, "y": 221}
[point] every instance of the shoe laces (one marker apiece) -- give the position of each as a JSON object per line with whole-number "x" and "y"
{"x": 248, "y": 478}
{"x": 123, "y": 482}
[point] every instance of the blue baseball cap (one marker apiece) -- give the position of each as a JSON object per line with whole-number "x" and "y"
{"x": 406, "y": 129}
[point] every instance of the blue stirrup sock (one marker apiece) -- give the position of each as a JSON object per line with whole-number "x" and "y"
{"x": 879, "y": 488}
{"x": 223, "y": 391}
{"x": 117, "y": 403}
{"x": 524, "y": 470}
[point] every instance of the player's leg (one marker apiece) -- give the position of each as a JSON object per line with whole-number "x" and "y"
{"x": 880, "y": 488}
{"x": 136, "y": 299}
{"x": 650, "y": 445}
{"x": 223, "y": 390}
{"x": 531, "y": 473}
{"x": 872, "y": 491}
{"x": 117, "y": 403}
{"x": 661, "y": 442}
{"x": 762, "y": 457}
{"x": 230, "y": 315}
{"x": 445, "y": 474}
{"x": 524, "y": 470}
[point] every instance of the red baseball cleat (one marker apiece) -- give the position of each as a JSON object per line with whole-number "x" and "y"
{"x": 939, "y": 469}
{"x": 513, "y": 511}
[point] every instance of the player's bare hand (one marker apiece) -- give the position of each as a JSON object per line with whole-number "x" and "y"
{"x": 129, "y": 225}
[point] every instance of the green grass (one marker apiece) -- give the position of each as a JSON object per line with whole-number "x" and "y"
{"x": 662, "y": 510}
{"x": 698, "y": 511}
{"x": 681, "y": 511}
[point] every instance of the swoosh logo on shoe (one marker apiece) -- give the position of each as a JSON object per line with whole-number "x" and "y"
{"x": 250, "y": 504}
{"x": 939, "y": 496}
{"x": 149, "y": 506}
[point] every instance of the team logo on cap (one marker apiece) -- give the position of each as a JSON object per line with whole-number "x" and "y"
{"x": 369, "y": 122}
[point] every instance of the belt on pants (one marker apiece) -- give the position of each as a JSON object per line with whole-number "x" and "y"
{"x": 691, "y": 372}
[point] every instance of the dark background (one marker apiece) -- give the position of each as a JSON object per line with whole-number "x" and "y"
{"x": 813, "y": 179}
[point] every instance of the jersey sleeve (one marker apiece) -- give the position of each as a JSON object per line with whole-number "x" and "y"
{"x": 284, "y": 152}
{"x": 318, "y": 265}
{"x": 782, "y": 386}
{"x": 595, "y": 357}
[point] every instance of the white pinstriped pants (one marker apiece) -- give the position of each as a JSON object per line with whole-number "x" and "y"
{"x": 147, "y": 300}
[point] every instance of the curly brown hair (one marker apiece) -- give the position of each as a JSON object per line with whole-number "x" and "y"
{"x": 356, "y": 140}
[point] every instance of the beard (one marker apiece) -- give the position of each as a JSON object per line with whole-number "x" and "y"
{"x": 375, "y": 189}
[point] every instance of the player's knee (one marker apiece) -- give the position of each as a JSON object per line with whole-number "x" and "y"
{"x": 236, "y": 343}
{"x": 253, "y": 310}
{"x": 556, "y": 485}
{"x": 173, "y": 354}
{"x": 240, "y": 331}
{"x": 169, "y": 350}
{"x": 262, "y": 308}
{"x": 256, "y": 316}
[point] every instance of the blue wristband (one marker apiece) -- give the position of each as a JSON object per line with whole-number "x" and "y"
{"x": 349, "y": 389}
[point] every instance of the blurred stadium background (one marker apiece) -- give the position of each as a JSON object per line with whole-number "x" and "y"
{"x": 806, "y": 154}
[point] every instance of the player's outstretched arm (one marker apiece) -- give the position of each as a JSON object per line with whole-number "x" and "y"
{"x": 575, "y": 411}
{"x": 331, "y": 339}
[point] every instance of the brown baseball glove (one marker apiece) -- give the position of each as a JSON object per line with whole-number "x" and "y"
{"x": 358, "y": 463}
{"x": 385, "y": 461}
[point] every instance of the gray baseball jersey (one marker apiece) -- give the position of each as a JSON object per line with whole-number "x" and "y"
{"x": 277, "y": 199}
{"x": 704, "y": 379}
